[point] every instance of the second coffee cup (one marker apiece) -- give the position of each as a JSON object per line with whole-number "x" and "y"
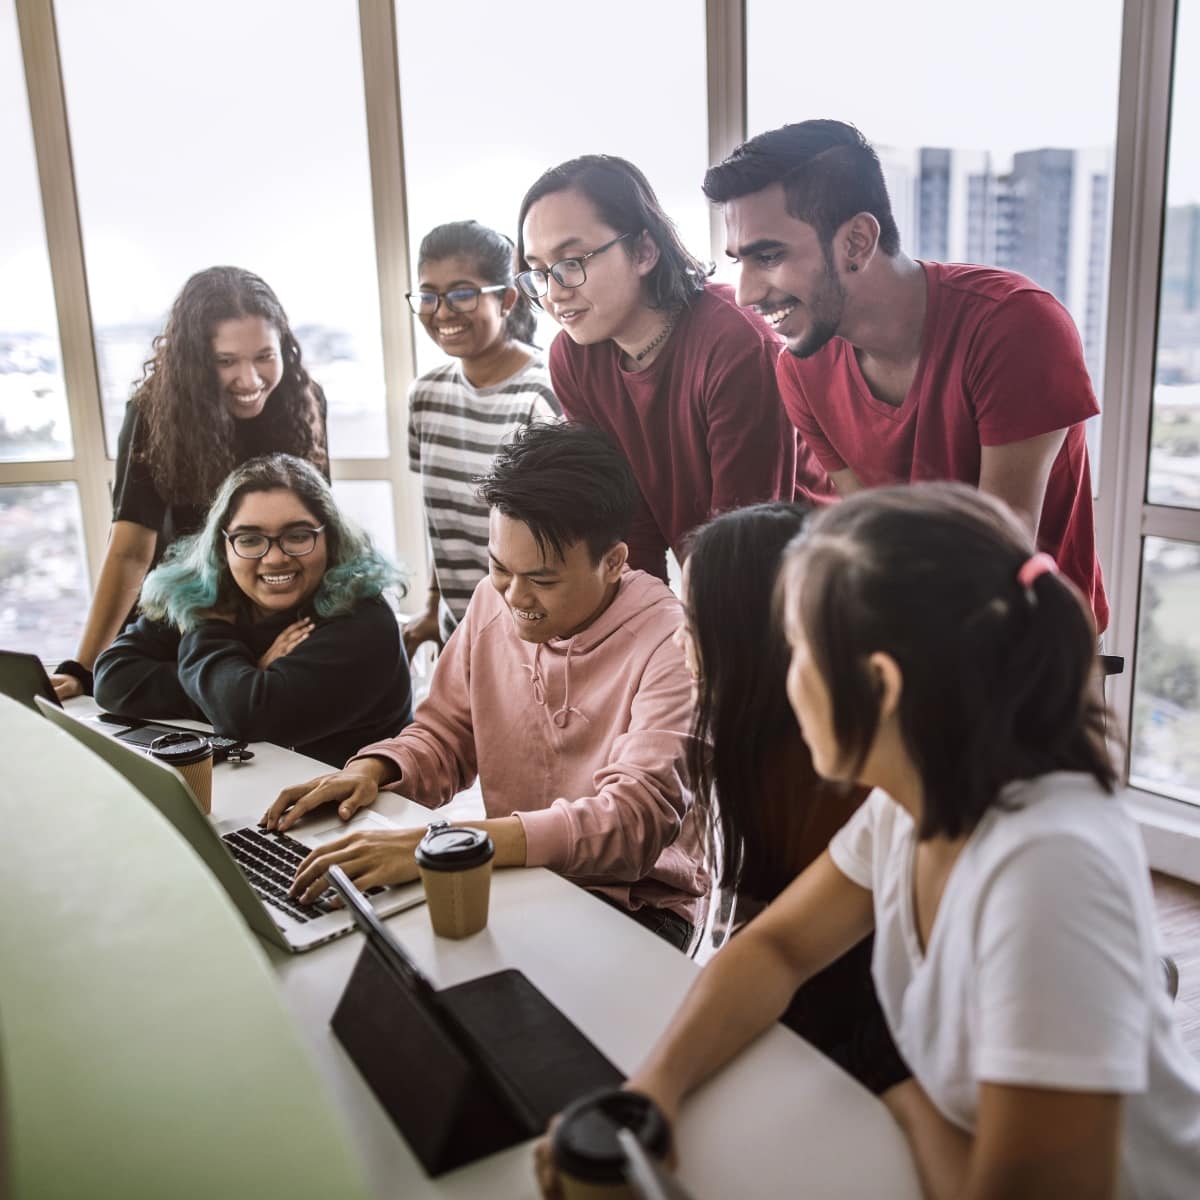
{"x": 455, "y": 862}
{"x": 192, "y": 756}
{"x": 589, "y": 1159}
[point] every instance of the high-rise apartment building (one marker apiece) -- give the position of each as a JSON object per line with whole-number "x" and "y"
{"x": 1181, "y": 260}
{"x": 1046, "y": 218}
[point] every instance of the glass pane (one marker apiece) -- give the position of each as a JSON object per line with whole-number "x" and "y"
{"x": 42, "y": 578}
{"x": 369, "y": 503}
{"x": 542, "y": 91}
{"x": 228, "y": 132}
{"x": 34, "y": 424}
{"x": 1009, "y": 166}
{"x": 1166, "y": 698}
{"x": 1175, "y": 435}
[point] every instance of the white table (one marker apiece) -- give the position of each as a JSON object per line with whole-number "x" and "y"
{"x": 781, "y": 1120}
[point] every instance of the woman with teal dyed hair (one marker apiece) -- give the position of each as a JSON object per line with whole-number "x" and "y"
{"x": 269, "y": 623}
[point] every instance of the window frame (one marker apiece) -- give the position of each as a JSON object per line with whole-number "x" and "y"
{"x": 1123, "y": 515}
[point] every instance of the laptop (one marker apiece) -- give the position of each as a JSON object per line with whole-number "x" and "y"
{"x": 22, "y": 676}
{"x": 255, "y": 867}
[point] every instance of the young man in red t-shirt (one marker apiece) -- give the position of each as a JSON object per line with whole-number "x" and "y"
{"x": 666, "y": 364}
{"x": 901, "y": 370}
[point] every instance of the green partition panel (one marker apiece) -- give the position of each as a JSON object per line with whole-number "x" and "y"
{"x": 144, "y": 1048}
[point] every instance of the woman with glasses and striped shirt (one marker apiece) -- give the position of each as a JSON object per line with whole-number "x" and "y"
{"x": 269, "y": 623}
{"x": 495, "y": 383}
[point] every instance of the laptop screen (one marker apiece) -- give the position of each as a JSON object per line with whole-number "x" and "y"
{"x": 22, "y": 677}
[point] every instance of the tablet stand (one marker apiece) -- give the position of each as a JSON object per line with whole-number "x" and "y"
{"x": 470, "y": 1070}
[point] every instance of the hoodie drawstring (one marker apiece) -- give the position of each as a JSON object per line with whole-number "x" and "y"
{"x": 563, "y": 714}
{"x": 535, "y": 678}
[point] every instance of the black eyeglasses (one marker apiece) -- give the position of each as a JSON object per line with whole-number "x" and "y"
{"x": 295, "y": 543}
{"x": 459, "y": 299}
{"x": 569, "y": 272}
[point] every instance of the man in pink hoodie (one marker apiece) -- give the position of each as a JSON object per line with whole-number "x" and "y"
{"x": 562, "y": 690}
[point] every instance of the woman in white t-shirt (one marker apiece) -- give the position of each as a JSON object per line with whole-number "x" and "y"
{"x": 936, "y": 656}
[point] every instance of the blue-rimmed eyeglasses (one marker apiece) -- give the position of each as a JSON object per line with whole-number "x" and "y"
{"x": 569, "y": 272}
{"x": 295, "y": 543}
{"x": 459, "y": 299}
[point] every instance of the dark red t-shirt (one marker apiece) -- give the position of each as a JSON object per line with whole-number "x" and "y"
{"x": 703, "y": 426}
{"x": 1000, "y": 362}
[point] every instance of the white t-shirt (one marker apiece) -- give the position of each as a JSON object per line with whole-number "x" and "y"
{"x": 1042, "y": 968}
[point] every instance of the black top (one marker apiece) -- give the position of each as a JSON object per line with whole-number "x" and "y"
{"x": 345, "y": 686}
{"x": 135, "y": 498}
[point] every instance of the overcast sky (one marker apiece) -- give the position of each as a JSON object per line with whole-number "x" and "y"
{"x": 242, "y": 137}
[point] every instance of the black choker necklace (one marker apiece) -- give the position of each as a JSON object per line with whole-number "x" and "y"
{"x": 650, "y": 347}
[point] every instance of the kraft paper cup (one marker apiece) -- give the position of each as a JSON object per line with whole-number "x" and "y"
{"x": 191, "y": 755}
{"x": 587, "y": 1155}
{"x": 455, "y": 863}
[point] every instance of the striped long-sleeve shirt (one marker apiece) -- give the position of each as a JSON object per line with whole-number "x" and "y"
{"x": 454, "y": 431}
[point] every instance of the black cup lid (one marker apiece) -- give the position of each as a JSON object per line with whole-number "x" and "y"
{"x": 454, "y": 848}
{"x": 585, "y": 1139}
{"x": 181, "y": 749}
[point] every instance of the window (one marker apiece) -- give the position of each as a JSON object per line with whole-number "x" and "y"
{"x": 1165, "y": 749}
{"x": 368, "y": 503}
{"x": 34, "y": 424}
{"x": 42, "y": 580}
{"x": 237, "y": 133}
{"x": 518, "y": 96}
{"x": 229, "y": 132}
{"x": 1009, "y": 166}
{"x": 1174, "y": 477}
{"x": 1165, "y": 734}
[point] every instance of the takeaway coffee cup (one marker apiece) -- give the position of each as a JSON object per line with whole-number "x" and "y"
{"x": 455, "y": 862}
{"x": 587, "y": 1155}
{"x": 191, "y": 755}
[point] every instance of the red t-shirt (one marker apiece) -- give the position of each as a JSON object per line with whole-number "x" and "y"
{"x": 1000, "y": 362}
{"x": 702, "y": 426}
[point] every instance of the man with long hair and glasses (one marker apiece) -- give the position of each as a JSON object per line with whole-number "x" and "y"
{"x": 657, "y": 357}
{"x": 902, "y": 370}
{"x": 561, "y": 690}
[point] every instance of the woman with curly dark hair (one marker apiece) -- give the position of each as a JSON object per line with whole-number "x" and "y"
{"x": 225, "y": 384}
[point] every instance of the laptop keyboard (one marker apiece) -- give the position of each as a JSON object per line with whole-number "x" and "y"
{"x": 270, "y": 861}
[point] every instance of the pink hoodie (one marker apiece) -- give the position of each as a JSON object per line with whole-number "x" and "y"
{"x": 583, "y": 739}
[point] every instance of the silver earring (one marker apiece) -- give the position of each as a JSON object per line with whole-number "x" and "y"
{"x": 854, "y": 266}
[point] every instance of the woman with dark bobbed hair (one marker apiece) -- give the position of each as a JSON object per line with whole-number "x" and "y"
{"x": 656, "y": 356}
{"x": 495, "y": 383}
{"x": 766, "y": 811}
{"x": 269, "y": 623}
{"x": 225, "y": 383}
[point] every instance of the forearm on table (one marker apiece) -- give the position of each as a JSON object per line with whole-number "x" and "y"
{"x": 141, "y": 686}
{"x": 618, "y": 833}
{"x": 419, "y": 767}
{"x": 380, "y": 770}
{"x": 747, "y": 987}
{"x": 720, "y": 1016}
{"x": 221, "y": 675}
{"x": 508, "y": 836}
